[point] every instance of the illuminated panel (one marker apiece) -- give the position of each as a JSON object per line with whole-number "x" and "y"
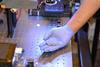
{"x": 54, "y": 8}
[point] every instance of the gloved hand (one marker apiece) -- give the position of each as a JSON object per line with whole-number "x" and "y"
{"x": 56, "y": 38}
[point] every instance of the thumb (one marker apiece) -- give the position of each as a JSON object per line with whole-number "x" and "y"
{"x": 47, "y": 35}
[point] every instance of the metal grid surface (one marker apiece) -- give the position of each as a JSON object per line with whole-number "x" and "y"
{"x": 29, "y": 33}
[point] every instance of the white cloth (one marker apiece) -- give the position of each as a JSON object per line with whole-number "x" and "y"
{"x": 56, "y": 38}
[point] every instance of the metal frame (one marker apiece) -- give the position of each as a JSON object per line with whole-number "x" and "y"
{"x": 86, "y": 58}
{"x": 11, "y": 22}
{"x": 83, "y": 49}
{"x": 96, "y": 38}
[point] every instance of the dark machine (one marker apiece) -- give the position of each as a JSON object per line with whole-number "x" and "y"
{"x": 52, "y": 8}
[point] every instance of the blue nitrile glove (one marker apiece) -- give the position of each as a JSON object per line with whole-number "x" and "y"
{"x": 56, "y": 38}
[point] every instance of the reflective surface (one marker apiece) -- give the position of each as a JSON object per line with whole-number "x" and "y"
{"x": 29, "y": 34}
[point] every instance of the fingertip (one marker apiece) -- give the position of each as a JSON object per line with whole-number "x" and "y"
{"x": 47, "y": 35}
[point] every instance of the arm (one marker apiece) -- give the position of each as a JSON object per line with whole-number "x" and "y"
{"x": 57, "y": 38}
{"x": 86, "y": 10}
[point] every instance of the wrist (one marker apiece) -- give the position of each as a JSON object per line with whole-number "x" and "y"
{"x": 69, "y": 29}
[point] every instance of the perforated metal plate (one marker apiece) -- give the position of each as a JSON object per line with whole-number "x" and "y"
{"x": 29, "y": 33}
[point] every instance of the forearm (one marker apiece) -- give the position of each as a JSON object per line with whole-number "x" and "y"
{"x": 86, "y": 10}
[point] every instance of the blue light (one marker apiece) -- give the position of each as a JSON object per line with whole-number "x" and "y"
{"x": 54, "y": 8}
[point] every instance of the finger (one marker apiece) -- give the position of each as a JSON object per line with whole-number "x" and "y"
{"x": 49, "y": 48}
{"x": 47, "y": 35}
{"x": 46, "y": 48}
{"x": 42, "y": 45}
{"x": 53, "y": 41}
